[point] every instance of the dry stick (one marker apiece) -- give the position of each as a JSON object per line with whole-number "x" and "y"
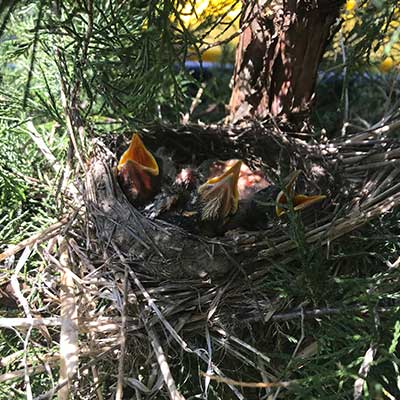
{"x": 20, "y": 373}
{"x": 90, "y": 332}
{"x": 151, "y": 302}
{"x": 24, "y": 303}
{"x": 48, "y": 359}
{"x": 68, "y": 112}
{"x": 388, "y": 180}
{"x": 375, "y": 131}
{"x": 231, "y": 350}
{"x": 29, "y": 322}
{"x": 164, "y": 367}
{"x": 363, "y": 372}
{"x": 38, "y": 370}
{"x": 120, "y": 383}
{"x": 161, "y": 359}
{"x": 11, "y": 358}
{"x": 346, "y": 89}
{"x": 361, "y": 220}
{"x": 195, "y": 103}
{"x": 319, "y": 312}
{"x": 166, "y": 324}
{"x": 364, "y": 167}
{"x": 50, "y": 393}
{"x": 39, "y": 237}
{"x": 390, "y": 154}
{"x": 379, "y": 197}
{"x": 33, "y": 369}
{"x": 375, "y": 181}
{"x": 69, "y": 326}
{"x": 260, "y": 385}
{"x": 245, "y": 345}
{"x": 100, "y": 325}
{"x": 40, "y": 143}
{"x": 340, "y": 228}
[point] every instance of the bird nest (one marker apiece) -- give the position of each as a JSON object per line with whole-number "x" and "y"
{"x": 185, "y": 299}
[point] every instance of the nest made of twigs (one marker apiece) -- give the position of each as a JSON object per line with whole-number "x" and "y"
{"x": 186, "y": 286}
{"x": 356, "y": 173}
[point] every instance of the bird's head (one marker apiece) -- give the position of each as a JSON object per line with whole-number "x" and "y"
{"x": 219, "y": 195}
{"x": 138, "y": 172}
{"x": 299, "y": 201}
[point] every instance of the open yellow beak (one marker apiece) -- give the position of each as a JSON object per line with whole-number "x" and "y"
{"x": 137, "y": 153}
{"x": 300, "y": 201}
{"x": 220, "y": 195}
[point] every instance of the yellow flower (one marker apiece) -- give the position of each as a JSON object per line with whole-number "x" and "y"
{"x": 386, "y": 65}
{"x": 195, "y": 13}
{"x": 351, "y": 5}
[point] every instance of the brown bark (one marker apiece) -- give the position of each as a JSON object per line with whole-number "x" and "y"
{"x": 278, "y": 55}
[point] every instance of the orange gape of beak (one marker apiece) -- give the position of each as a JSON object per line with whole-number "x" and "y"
{"x": 300, "y": 201}
{"x": 220, "y": 196}
{"x": 138, "y": 173}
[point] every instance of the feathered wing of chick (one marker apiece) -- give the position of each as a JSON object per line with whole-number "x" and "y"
{"x": 219, "y": 197}
{"x": 175, "y": 198}
{"x": 138, "y": 173}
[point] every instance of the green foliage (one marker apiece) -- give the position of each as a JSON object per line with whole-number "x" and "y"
{"x": 127, "y": 58}
{"x": 370, "y": 29}
{"x": 26, "y": 198}
{"x": 363, "y": 294}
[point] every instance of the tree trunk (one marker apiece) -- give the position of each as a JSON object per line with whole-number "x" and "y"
{"x": 277, "y": 58}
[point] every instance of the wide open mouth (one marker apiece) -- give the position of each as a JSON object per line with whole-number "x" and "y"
{"x": 300, "y": 201}
{"x": 138, "y": 154}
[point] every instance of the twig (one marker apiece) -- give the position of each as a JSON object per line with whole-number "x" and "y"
{"x": 363, "y": 372}
{"x": 331, "y": 231}
{"x": 250, "y": 384}
{"x": 345, "y": 88}
{"x": 18, "y": 294}
{"x": 320, "y": 312}
{"x": 69, "y": 326}
{"x": 363, "y": 167}
{"x": 39, "y": 237}
{"x": 167, "y": 325}
{"x": 120, "y": 383}
{"x": 103, "y": 324}
{"x": 151, "y": 302}
{"x": 164, "y": 367}
{"x": 195, "y": 103}
{"x": 7, "y": 360}
{"x": 50, "y": 394}
{"x": 243, "y": 344}
{"x": 245, "y": 24}
{"x": 161, "y": 359}
{"x": 40, "y": 143}
{"x": 375, "y": 131}
{"x": 69, "y": 117}
{"x": 29, "y": 322}
{"x": 21, "y": 373}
